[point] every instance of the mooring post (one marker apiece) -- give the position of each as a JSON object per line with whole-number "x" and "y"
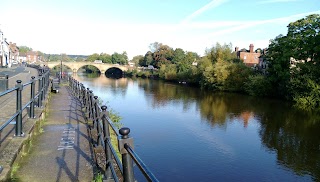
{"x": 19, "y": 109}
{"x": 33, "y": 84}
{"x": 127, "y": 162}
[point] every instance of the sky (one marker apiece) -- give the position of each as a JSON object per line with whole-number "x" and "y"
{"x": 84, "y": 27}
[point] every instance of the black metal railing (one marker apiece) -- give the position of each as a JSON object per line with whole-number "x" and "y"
{"x": 36, "y": 99}
{"x": 103, "y": 126}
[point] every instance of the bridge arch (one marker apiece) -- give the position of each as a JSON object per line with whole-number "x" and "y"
{"x": 114, "y": 72}
{"x": 101, "y": 71}
{"x": 59, "y": 65}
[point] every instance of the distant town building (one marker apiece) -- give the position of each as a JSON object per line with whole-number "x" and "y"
{"x": 194, "y": 63}
{"x": 32, "y": 57}
{"x": 98, "y": 61}
{"x": 131, "y": 64}
{"x": 9, "y": 52}
{"x": 294, "y": 62}
{"x": 14, "y": 52}
{"x": 249, "y": 57}
{"x": 2, "y": 54}
{"x": 22, "y": 57}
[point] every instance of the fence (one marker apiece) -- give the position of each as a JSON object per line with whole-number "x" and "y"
{"x": 102, "y": 125}
{"x": 35, "y": 99}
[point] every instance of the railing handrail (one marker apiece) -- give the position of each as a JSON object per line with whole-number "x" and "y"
{"x": 8, "y": 91}
{"x": 102, "y": 123}
{"x": 144, "y": 169}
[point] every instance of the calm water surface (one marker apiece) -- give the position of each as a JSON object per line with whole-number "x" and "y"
{"x": 185, "y": 134}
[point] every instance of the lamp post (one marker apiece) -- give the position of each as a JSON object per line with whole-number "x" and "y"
{"x": 61, "y": 68}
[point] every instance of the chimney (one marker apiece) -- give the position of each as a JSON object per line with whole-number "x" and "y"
{"x": 236, "y": 49}
{"x": 251, "y": 48}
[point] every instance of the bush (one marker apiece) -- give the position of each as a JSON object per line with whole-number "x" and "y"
{"x": 238, "y": 76}
{"x": 257, "y": 85}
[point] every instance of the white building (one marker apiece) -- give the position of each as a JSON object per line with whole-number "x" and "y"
{"x": 2, "y": 62}
{"x": 5, "y": 60}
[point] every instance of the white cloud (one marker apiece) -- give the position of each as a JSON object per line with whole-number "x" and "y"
{"x": 249, "y": 24}
{"x": 212, "y": 4}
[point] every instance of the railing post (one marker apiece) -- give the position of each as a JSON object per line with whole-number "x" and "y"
{"x": 7, "y": 82}
{"x": 43, "y": 86}
{"x": 127, "y": 162}
{"x": 90, "y": 104}
{"x": 40, "y": 91}
{"x": 79, "y": 90}
{"x": 19, "y": 109}
{"x": 46, "y": 82}
{"x": 82, "y": 95}
{"x": 95, "y": 109}
{"x": 87, "y": 100}
{"x": 106, "y": 134}
{"x": 33, "y": 84}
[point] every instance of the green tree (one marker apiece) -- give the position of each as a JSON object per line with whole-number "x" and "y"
{"x": 278, "y": 57}
{"x": 178, "y": 55}
{"x": 299, "y": 83}
{"x": 148, "y": 59}
{"x": 93, "y": 57}
{"x": 215, "y": 74}
{"x": 221, "y": 52}
{"x": 163, "y": 55}
{"x": 304, "y": 38}
{"x": 24, "y": 49}
{"x": 117, "y": 58}
{"x": 105, "y": 58}
{"x": 136, "y": 59}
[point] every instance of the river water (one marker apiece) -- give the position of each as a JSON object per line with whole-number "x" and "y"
{"x": 185, "y": 134}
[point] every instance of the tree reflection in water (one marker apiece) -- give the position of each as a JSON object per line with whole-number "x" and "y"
{"x": 293, "y": 135}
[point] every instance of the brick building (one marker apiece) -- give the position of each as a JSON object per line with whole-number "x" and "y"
{"x": 249, "y": 57}
{"x": 33, "y": 56}
{"x": 14, "y": 52}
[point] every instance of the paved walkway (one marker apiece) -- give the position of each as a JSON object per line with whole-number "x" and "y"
{"x": 62, "y": 152}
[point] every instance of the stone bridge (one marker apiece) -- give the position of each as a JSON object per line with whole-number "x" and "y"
{"x": 75, "y": 66}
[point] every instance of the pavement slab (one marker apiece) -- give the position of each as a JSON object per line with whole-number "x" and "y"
{"x": 62, "y": 151}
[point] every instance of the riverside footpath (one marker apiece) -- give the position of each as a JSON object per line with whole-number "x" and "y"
{"x": 62, "y": 151}
{"x": 56, "y": 144}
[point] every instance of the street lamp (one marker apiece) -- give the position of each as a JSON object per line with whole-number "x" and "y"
{"x": 61, "y": 68}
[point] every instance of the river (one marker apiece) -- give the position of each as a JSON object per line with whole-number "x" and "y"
{"x": 186, "y": 134}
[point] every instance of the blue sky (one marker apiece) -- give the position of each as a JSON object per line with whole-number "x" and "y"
{"x": 96, "y": 26}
